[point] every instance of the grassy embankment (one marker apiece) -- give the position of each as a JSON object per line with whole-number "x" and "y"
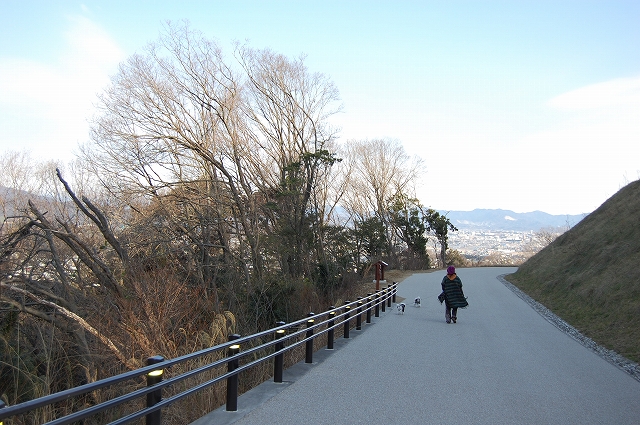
{"x": 590, "y": 276}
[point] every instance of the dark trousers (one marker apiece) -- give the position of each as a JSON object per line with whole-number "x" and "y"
{"x": 450, "y": 312}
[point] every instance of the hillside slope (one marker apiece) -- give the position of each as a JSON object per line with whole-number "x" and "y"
{"x": 590, "y": 276}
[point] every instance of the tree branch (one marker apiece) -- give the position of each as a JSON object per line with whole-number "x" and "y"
{"x": 70, "y": 315}
{"x": 97, "y": 217}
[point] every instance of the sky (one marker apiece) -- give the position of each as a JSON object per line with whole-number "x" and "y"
{"x": 516, "y": 105}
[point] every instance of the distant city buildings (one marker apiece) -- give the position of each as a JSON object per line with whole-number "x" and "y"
{"x": 499, "y": 247}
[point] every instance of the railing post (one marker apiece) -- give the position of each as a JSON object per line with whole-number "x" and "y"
{"x": 331, "y": 331}
{"x": 359, "y": 317}
{"x": 383, "y": 304}
{"x": 395, "y": 290}
{"x": 232, "y": 381}
{"x": 375, "y": 300}
{"x": 346, "y": 319}
{"x": 309, "y": 345}
{"x": 278, "y": 361}
{"x": 369, "y": 297}
{"x": 389, "y": 290}
{"x": 153, "y": 398}
{"x": 2, "y": 406}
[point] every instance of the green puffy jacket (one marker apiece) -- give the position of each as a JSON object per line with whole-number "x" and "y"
{"x": 453, "y": 295}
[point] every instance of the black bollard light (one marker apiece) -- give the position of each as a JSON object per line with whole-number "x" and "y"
{"x": 308, "y": 358}
{"x": 232, "y": 381}
{"x": 278, "y": 361}
{"x": 369, "y": 298}
{"x": 2, "y": 406}
{"x": 395, "y": 290}
{"x": 389, "y": 290}
{"x": 377, "y": 303}
{"x": 347, "y": 308}
{"x": 331, "y": 331}
{"x": 383, "y": 304}
{"x": 154, "y": 377}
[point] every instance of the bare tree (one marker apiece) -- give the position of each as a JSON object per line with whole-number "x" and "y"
{"x": 542, "y": 238}
{"x": 73, "y": 274}
{"x": 46, "y": 264}
{"x": 287, "y": 110}
{"x": 167, "y": 142}
{"x": 381, "y": 170}
{"x": 221, "y": 159}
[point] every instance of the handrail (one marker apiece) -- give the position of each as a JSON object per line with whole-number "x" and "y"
{"x": 322, "y": 323}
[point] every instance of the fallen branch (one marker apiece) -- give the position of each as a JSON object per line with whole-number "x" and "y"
{"x": 71, "y": 315}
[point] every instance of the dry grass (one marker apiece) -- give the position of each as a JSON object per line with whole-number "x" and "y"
{"x": 590, "y": 276}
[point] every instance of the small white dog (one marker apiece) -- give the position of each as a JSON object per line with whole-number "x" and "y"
{"x": 416, "y": 302}
{"x": 401, "y": 307}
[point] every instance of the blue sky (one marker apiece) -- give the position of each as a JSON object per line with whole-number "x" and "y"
{"x": 521, "y": 105}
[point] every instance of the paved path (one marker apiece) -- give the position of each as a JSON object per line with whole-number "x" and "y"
{"x": 502, "y": 363}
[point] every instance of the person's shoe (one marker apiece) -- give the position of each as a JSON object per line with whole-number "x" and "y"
{"x": 448, "y": 321}
{"x": 454, "y": 319}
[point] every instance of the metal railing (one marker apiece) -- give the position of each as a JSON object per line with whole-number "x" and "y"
{"x": 285, "y": 337}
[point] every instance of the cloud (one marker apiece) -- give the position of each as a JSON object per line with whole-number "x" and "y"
{"x": 592, "y": 151}
{"x": 615, "y": 93}
{"x": 44, "y": 107}
{"x": 603, "y": 115}
{"x": 90, "y": 44}
{"x": 584, "y": 155}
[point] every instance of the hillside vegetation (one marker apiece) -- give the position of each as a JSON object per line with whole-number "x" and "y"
{"x": 590, "y": 276}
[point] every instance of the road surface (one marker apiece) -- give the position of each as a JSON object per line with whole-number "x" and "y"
{"x": 502, "y": 363}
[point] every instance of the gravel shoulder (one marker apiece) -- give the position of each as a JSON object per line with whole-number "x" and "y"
{"x": 612, "y": 357}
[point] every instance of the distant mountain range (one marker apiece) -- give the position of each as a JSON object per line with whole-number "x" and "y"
{"x": 478, "y": 219}
{"x": 483, "y": 219}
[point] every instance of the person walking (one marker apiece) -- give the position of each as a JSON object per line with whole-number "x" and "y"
{"x": 453, "y": 296}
